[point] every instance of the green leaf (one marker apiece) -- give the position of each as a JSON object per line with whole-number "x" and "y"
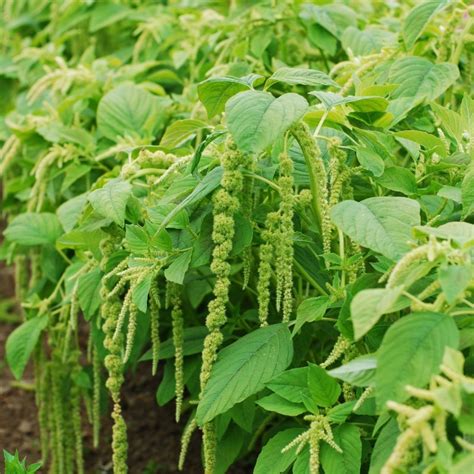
{"x": 370, "y": 160}
{"x": 69, "y": 212}
{"x": 291, "y": 384}
{"x": 382, "y": 224}
{"x": 271, "y": 459}
{"x": 347, "y": 437}
{"x": 418, "y": 18}
{"x": 430, "y": 142}
{"x": 105, "y": 14}
{"x": 300, "y": 76}
{"x": 181, "y": 131}
{"x": 411, "y": 352}
{"x": 460, "y": 232}
{"x": 129, "y": 110}
{"x": 178, "y": 268}
{"x": 384, "y": 445}
{"x": 281, "y": 405}
{"x": 21, "y": 342}
{"x": 418, "y": 79}
{"x": 359, "y": 371}
{"x": 243, "y": 368}
{"x": 89, "y": 292}
{"x": 256, "y": 119}
{"x": 323, "y": 388}
{"x": 467, "y": 192}
{"x": 309, "y": 310}
{"x": 215, "y": 92}
{"x": 370, "y": 40}
{"x": 398, "y": 179}
{"x": 359, "y": 104}
{"x": 454, "y": 280}
{"x": 34, "y": 229}
{"x": 368, "y": 306}
{"x": 140, "y": 293}
{"x": 111, "y": 200}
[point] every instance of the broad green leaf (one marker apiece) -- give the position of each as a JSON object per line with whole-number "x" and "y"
{"x": 69, "y": 212}
{"x": 460, "y": 232}
{"x": 463, "y": 464}
{"x": 215, "y": 92}
{"x": 419, "y": 79}
{"x": 398, "y": 179}
{"x": 243, "y": 368}
{"x": 56, "y": 132}
{"x": 430, "y": 142}
{"x": 256, "y": 119}
{"x": 411, "y": 352}
{"x": 347, "y": 437}
{"x": 382, "y": 224}
{"x": 21, "y": 342}
{"x": 359, "y": 371}
{"x": 302, "y": 76}
{"x": 454, "y": 280}
{"x": 309, "y": 310}
{"x": 339, "y": 413}
{"x": 193, "y": 342}
{"x": 281, "y": 405}
{"x": 180, "y": 131}
{"x": 368, "y": 306}
{"x": 367, "y": 41}
{"x": 271, "y": 459}
{"x": 418, "y": 18}
{"x": 89, "y": 292}
{"x": 291, "y": 384}
{"x": 129, "y": 110}
{"x": 384, "y": 445}
{"x": 34, "y": 229}
{"x": 323, "y": 388}
{"x": 370, "y": 160}
{"x": 178, "y": 268}
{"x": 334, "y": 18}
{"x": 111, "y": 200}
{"x": 359, "y": 104}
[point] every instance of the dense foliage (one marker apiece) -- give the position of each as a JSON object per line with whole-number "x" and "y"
{"x": 282, "y": 193}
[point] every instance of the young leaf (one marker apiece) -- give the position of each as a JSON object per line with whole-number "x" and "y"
{"x": 111, "y": 200}
{"x": 454, "y": 280}
{"x": 34, "y": 229}
{"x": 215, "y": 92}
{"x": 418, "y": 18}
{"x": 370, "y": 160}
{"x": 89, "y": 292}
{"x": 281, "y": 405}
{"x": 369, "y": 305}
{"x": 22, "y": 341}
{"x": 411, "y": 352}
{"x": 359, "y": 371}
{"x": 347, "y": 437}
{"x": 271, "y": 459}
{"x": 243, "y": 368}
{"x": 178, "y": 268}
{"x": 180, "y": 131}
{"x": 309, "y": 310}
{"x": 323, "y": 388}
{"x": 305, "y": 77}
{"x": 382, "y": 224}
{"x": 256, "y": 119}
{"x": 291, "y": 384}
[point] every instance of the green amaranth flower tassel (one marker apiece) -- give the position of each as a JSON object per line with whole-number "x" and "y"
{"x": 177, "y": 323}
{"x": 226, "y": 204}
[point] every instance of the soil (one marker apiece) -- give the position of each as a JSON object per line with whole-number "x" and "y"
{"x": 154, "y": 437}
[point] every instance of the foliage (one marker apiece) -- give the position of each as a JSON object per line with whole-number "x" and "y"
{"x": 13, "y": 464}
{"x": 272, "y": 200}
